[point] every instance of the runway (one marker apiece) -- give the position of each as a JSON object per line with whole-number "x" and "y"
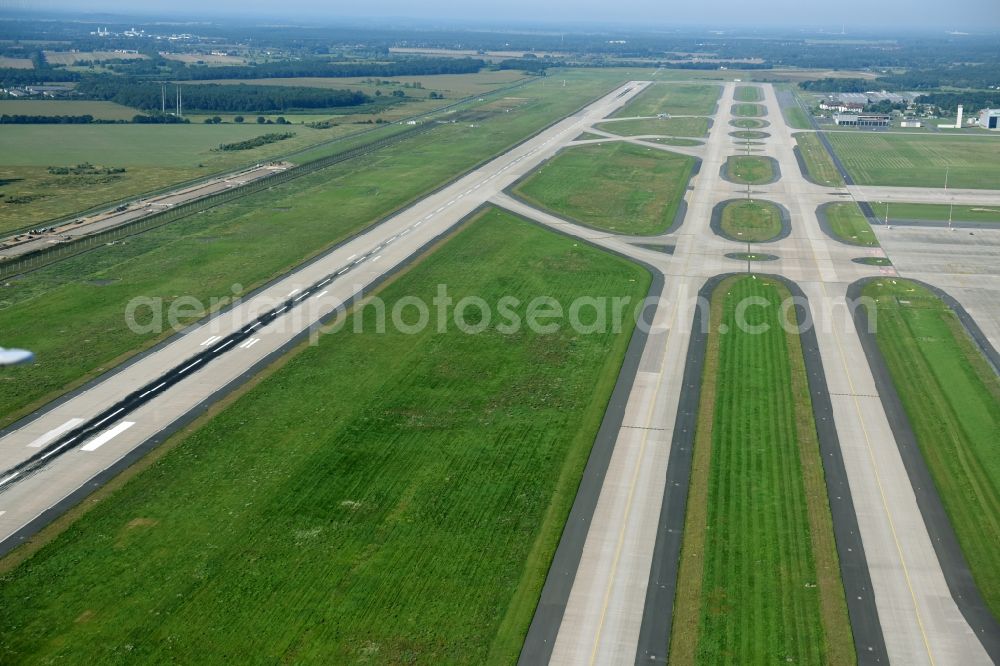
{"x": 116, "y": 415}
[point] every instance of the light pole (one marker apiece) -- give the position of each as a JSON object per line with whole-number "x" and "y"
{"x": 951, "y": 202}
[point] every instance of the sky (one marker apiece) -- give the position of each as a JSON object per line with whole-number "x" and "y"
{"x": 978, "y": 15}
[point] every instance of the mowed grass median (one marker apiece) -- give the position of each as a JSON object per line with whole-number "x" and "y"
{"x": 952, "y": 398}
{"x": 691, "y": 127}
{"x": 819, "y": 165}
{"x": 919, "y": 160}
{"x": 849, "y": 224}
{"x": 381, "y": 498}
{"x": 750, "y": 169}
{"x": 751, "y": 220}
{"x": 748, "y": 94}
{"x": 759, "y": 579}
{"x": 673, "y": 98}
{"x": 615, "y": 186}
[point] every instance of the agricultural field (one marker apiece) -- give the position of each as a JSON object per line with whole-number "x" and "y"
{"x": 952, "y": 398}
{"x": 941, "y": 212}
{"x": 749, "y": 169}
{"x": 73, "y": 57}
{"x": 754, "y": 221}
{"x": 749, "y": 123}
{"x": 675, "y": 99}
{"x": 248, "y": 241}
{"x": 16, "y": 63}
{"x": 748, "y": 94}
{"x": 919, "y": 160}
{"x": 849, "y": 224}
{"x": 615, "y": 186}
{"x": 759, "y": 578}
{"x": 205, "y": 58}
{"x": 411, "y": 520}
{"x": 819, "y": 165}
{"x": 687, "y": 127}
{"x": 749, "y": 110}
{"x": 153, "y": 157}
{"x": 58, "y": 107}
{"x": 452, "y": 86}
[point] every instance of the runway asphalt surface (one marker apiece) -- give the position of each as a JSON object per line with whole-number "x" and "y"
{"x": 604, "y": 605}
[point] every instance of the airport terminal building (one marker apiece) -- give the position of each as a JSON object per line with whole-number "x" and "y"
{"x": 862, "y": 119}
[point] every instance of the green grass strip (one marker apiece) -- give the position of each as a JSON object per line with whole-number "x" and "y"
{"x": 759, "y": 578}
{"x": 952, "y": 398}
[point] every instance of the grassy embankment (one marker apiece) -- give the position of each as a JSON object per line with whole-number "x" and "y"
{"x": 673, "y": 98}
{"x": 941, "y": 212}
{"x": 759, "y": 579}
{"x": 382, "y": 498}
{"x": 952, "y": 398}
{"x": 619, "y": 187}
{"x": 245, "y": 242}
{"x": 687, "y": 127}
{"x": 749, "y": 169}
{"x": 849, "y": 224}
{"x": 919, "y": 160}
{"x": 755, "y": 221}
{"x": 818, "y": 163}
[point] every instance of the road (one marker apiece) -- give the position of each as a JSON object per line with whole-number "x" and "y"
{"x": 315, "y": 291}
{"x": 20, "y": 244}
{"x": 920, "y": 621}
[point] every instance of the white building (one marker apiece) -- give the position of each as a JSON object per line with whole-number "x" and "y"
{"x": 989, "y": 119}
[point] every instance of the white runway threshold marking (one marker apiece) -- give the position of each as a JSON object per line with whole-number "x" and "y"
{"x": 249, "y": 343}
{"x": 107, "y": 436}
{"x": 54, "y": 433}
{"x": 211, "y": 340}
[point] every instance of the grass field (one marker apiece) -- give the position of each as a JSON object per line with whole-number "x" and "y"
{"x": 749, "y": 169}
{"x": 247, "y": 242}
{"x": 796, "y": 118}
{"x": 849, "y": 224}
{"x": 696, "y": 127}
{"x": 818, "y": 162}
{"x": 755, "y": 221}
{"x": 759, "y": 580}
{"x": 940, "y": 213}
{"x": 749, "y": 110}
{"x": 616, "y": 186}
{"x": 919, "y": 160}
{"x": 673, "y": 98}
{"x": 952, "y": 398}
{"x": 58, "y": 107}
{"x": 748, "y": 94}
{"x": 410, "y": 520}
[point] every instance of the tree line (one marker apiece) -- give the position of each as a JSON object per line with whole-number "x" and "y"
{"x": 218, "y": 97}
